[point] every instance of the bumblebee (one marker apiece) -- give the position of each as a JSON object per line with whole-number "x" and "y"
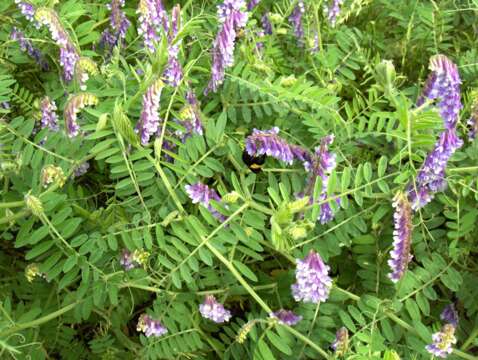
{"x": 254, "y": 163}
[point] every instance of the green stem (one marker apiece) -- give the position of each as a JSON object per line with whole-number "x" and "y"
{"x": 12, "y": 204}
{"x": 306, "y": 340}
{"x": 463, "y": 169}
{"x": 470, "y": 339}
{"x": 13, "y": 217}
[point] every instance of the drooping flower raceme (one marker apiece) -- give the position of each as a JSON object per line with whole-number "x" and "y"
{"x": 68, "y": 53}
{"x": 174, "y": 72}
{"x": 449, "y": 315}
{"x": 150, "y": 327}
{"x": 202, "y": 194}
{"x": 333, "y": 10}
{"x": 296, "y": 21}
{"x": 119, "y": 25}
{"x": 49, "y": 118}
{"x": 130, "y": 260}
{"x": 27, "y": 46}
{"x": 213, "y": 310}
{"x": 266, "y": 24}
{"x": 443, "y": 342}
{"x": 312, "y": 280}
{"x": 402, "y": 237}
{"x": 149, "y": 121}
{"x": 286, "y": 317}
{"x": 341, "y": 342}
{"x": 267, "y": 142}
{"x": 232, "y": 17}
{"x": 73, "y": 107}
{"x": 152, "y": 20}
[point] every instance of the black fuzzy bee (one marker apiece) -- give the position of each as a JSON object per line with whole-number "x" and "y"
{"x": 254, "y": 163}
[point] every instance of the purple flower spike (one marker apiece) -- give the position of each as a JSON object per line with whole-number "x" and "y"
{"x": 49, "y": 118}
{"x": 333, "y": 11}
{"x": 27, "y": 10}
{"x": 152, "y": 20}
{"x": 296, "y": 21}
{"x": 202, "y": 194}
{"x": 341, "y": 342}
{"x": 266, "y": 24}
{"x": 443, "y": 342}
{"x": 449, "y": 315}
{"x": 150, "y": 327}
{"x": 119, "y": 25}
{"x": 27, "y": 46}
{"x": 213, "y": 310}
{"x": 443, "y": 84}
{"x": 174, "y": 72}
{"x": 73, "y": 107}
{"x": 312, "y": 280}
{"x": 286, "y": 317}
{"x": 232, "y": 17}
{"x": 267, "y": 142}
{"x": 252, "y": 4}
{"x": 402, "y": 238}
{"x": 150, "y": 120}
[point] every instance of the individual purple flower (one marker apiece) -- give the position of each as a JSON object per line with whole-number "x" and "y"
{"x": 119, "y": 25}
{"x": 213, "y": 310}
{"x": 266, "y": 24}
{"x": 150, "y": 327}
{"x": 333, "y": 10}
{"x": 286, "y": 317}
{"x": 81, "y": 169}
{"x": 312, "y": 280}
{"x": 443, "y": 342}
{"x": 431, "y": 176}
{"x": 443, "y": 84}
{"x": 27, "y": 46}
{"x": 202, "y": 194}
{"x": 296, "y": 21}
{"x": 49, "y": 118}
{"x": 402, "y": 237}
{"x": 449, "y": 315}
{"x": 153, "y": 19}
{"x": 232, "y": 17}
{"x": 150, "y": 120}
{"x": 267, "y": 142}
{"x": 73, "y": 107}
{"x": 473, "y": 120}
{"x": 27, "y": 10}
{"x": 252, "y": 4}
{"x": 68, "y": 53}
{"x": 341, "y": 342}
{"x": 174, "y": 72}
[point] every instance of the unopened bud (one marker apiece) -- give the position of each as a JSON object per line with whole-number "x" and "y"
{"x": 34, "y": 204}
{"x": 231, "y": 197}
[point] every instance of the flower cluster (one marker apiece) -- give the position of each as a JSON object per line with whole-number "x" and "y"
{"x": 449, "y": 315}
{"x": 473, "y": 120}
{"x": 341, "y": 342}
{"x": 68, "y": 53}
{"x": 150, "y": 327}
{"x": 213, "y": 310}
{"x": 149, "y": 119}
{"x": 27, "y": 10}
{"x": 174, "y": 72}
{"x": 443, "y": 341}
{"x": 130, "y": 260}
{"x": 232, "y": 16}
{"x": 443, "y": 84}
{"x": 73, "y": 107}
{"x": 32, "y": 271}
{"x": 285, "y": 317}
{"x": 153, "y": 19}
{"x": 49, "y": 118}
{"x": 52, "y": 174}
{"x": 26, "y": 46}
{"x": 296, "y": 21}
{"x": 202, "y": 194}
{"x": 267, "y": 142}
{"x": 83, "y": 68}
{"x": 312, "y": 280}
{"x": 266, "y": 24}
{"x": 402, "y": 237}
{"x": 119, "y": 25}
{"x": 333, "y": 10}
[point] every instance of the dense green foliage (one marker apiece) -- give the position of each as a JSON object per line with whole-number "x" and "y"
{"x": 133, "y": 196}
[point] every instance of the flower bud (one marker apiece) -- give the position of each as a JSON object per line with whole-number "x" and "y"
{"x": 231, "y": 197}
{"x": 34, "y": 204}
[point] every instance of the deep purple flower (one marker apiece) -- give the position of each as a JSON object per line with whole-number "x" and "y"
{"x": 150, "y": 327}
{"x": 73, "y": 107}
{"x": 312, "y": 280}
{"x": 341, "y": 342}
{"x": 296, "y": 21}
{"x": 49, "y": 118}
{"x": 443, "y": 84}
{"x": 232, "y": 17}
{"x": 431, "y": 176}
{"x": 213, "y": 310}
{"x": 443, "y": 342}
{"x": 202, "y": 194}
{"x": 286, "y": 317}
{"x": 150, "y": 120}
{"x": 333, "y": 10}
{"x": 473, "y": 120}
{"x": 402, "y": 237}
{"x": 252, "y": 4}
{"x": 27, "y": 46}
{"x": 449, "y": 315}
{"x": 266, "y": 24}
{"x": 267, "y": 142}
{"x": 174, "y": 72}
{"x": 119, "y": 25}
{"x": 153, "y": 19}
